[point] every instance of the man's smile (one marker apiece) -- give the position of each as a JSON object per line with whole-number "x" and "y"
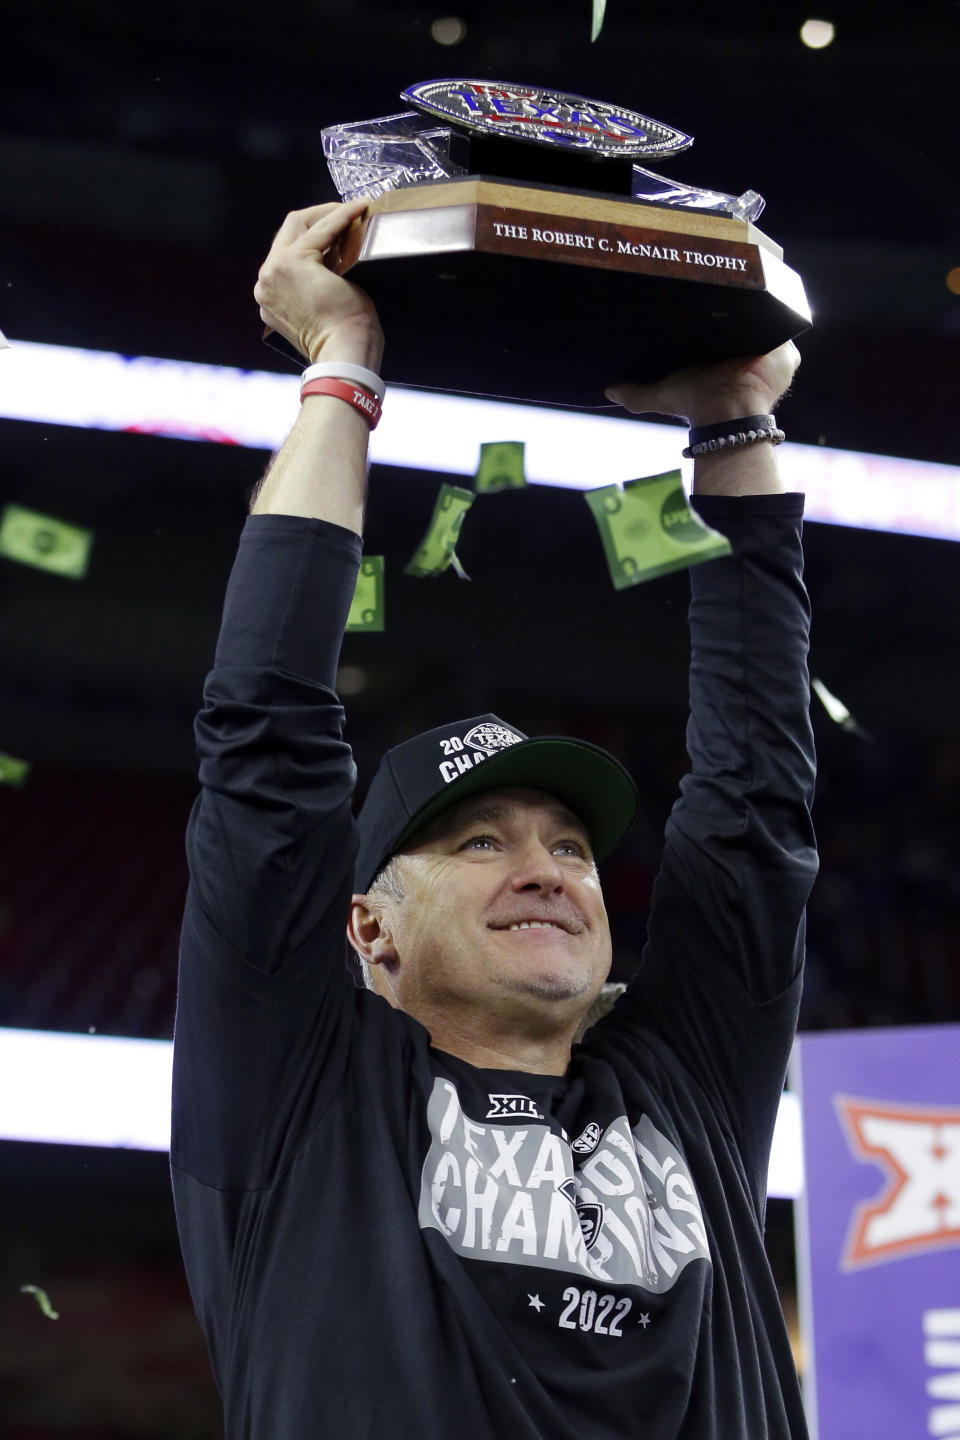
{"x": 537, "y": 925}
{"x": 566, "y": 925}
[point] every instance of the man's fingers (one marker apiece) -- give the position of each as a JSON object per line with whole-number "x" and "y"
{"x": 302, "y": 223}
{"x": 304, "y": 234}
{"x": 639, "y": 399}
{"x": 625, "y": 395}
{"x": 298, "y": 222}
{"x": 755, "y": 380}
{"x": 321, "y": 234}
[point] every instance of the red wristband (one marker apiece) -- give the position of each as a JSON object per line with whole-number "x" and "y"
{"x": 354, "y": 395}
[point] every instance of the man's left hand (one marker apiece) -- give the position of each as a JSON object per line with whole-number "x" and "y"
{"x": 707, "y": 394}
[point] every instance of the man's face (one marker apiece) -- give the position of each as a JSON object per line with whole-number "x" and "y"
{"x": 502, "y": 913}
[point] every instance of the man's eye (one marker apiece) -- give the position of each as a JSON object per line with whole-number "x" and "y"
{"x": 479, "y": 842}
{"x": 572, "y": 847}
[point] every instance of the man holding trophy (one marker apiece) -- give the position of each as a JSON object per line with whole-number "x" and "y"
{"x": 410, "y": 1204}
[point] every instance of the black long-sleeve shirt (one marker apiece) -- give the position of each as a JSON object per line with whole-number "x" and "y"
{"x": 384, "y": 1241}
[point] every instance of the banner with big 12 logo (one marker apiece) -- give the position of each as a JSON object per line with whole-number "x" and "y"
{"x": 878, "y": 1232}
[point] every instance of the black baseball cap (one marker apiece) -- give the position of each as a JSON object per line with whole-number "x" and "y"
{"x": 426, "y": 775}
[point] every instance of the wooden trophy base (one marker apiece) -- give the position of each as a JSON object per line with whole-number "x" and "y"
{"x": 530, "y": 292}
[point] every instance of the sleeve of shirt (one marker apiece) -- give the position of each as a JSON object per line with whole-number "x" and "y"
{"x": 264, "y": 1002}
{"x": 720, "y": 982}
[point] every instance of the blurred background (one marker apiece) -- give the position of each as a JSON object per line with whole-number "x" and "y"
{"x": 147, "y": 155}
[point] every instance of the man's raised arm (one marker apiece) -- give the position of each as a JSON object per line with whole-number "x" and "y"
{"x": 723, "y": 960}
{"x": 264, "y": 998}
{"x": 320, "y": 471}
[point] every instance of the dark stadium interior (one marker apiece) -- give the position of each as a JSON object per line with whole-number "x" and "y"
{"x": 147, "y": 155}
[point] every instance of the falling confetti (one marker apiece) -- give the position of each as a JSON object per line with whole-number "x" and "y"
{"x": 836, "y": 709}
{"x": 648, "y": 529}
{"x": 43, "y": 1300}
{"x": 366, "y": 609}
{"x": 500, "y": 467}
{"x": 437, "y": 549}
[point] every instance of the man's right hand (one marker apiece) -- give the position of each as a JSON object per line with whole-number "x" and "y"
{"x": 301, "y": 298}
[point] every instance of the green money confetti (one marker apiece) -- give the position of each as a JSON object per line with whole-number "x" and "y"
{"x": 366, "y": 610}
{"x": 648, "y": 529}
{"x": 13, "y": 771}
{"x": 500, "y": 467}
{"x": 437, "y": 549}
{"x": 45, "y": 542}
{"x": 836, "y": 709}
{"x": 42, "y": 1300}
{"x": 599, "y": 6}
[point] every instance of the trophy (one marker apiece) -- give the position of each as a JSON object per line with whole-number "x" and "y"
{"x": 516, "y": 245}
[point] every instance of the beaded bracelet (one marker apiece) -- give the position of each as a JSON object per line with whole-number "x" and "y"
{"x": 728, "y": 434}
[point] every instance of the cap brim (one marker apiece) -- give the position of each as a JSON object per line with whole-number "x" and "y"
{"x": 594, "y": 785}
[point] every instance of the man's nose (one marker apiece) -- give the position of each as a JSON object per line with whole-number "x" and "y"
{"x": 537, "y": 868}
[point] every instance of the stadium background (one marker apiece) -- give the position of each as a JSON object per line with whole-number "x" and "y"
{"x": 146, "y": 157}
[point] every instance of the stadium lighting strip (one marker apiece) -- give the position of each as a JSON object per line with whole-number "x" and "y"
{"x": 110, "y": 1091}
{"x": 104, "y": 1090}
{"x": 430, "y": 430}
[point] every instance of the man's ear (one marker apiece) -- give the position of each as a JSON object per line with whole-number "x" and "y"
{"x": 369, "y": 932}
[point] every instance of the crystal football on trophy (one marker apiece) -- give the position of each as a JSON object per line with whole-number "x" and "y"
{"x": 517, "y": 245}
